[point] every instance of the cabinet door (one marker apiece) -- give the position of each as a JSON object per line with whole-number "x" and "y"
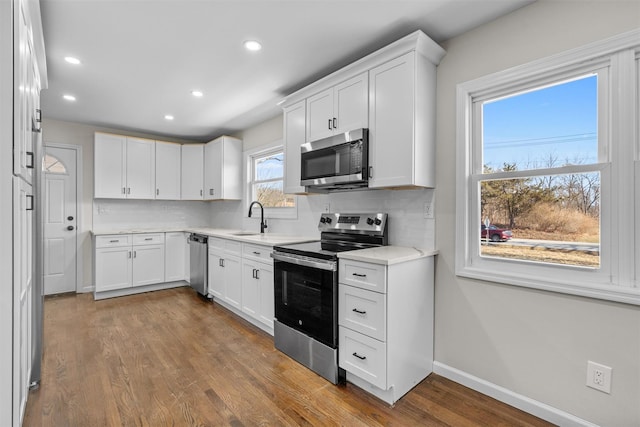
{"x": 192, "y": 172}
{"x": 233, "y": 281}
{"x": 250, "y": 289}
{"x": 320, "y": 115}
{"x": 109, "y": 166}
{"x": 267, "y": 305}
{"x": 231, "y": 185}
{"x": 213, "y": 170}
{"x": 294, "y": 137}
{"x": 391, "y": 136}
{"x": 141, "y": 168}
{"x": 351, "y": 104}
{"x": 148, "y": 265}
{"x": 167, "y": 171}
{"x": 113, "y": 268}
{"x": 216, "y": 274}
{"x": 174, "y": 256}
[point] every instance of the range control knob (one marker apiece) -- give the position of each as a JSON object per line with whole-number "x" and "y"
{"x": 369, "y": 221}
{"x": 323, "y": 220}
{"x": 328, "y": 220}
{"x": 377, "y": 221}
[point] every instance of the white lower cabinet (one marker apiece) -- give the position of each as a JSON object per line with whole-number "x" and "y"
{"x": 225, "y": 273}
{"x": 385, "y": 319}
{"x": 175, "y": 255}
{"x": 257, "y": 283}
{"x": 241, "y": 278}
{"x": 128, "y": 260}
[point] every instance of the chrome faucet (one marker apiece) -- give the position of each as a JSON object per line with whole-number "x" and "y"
{"x": 263, "y": 225}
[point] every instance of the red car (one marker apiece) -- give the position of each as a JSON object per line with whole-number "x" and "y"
{"x": 495, "y": 234}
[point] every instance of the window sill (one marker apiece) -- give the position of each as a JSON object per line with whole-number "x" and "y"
{"x": 607, "y": 292}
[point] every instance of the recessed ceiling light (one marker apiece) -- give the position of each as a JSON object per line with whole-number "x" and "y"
{"x": 168, "y": 117}
{"x": 252, "y": 45}
{"x": 72, "y": 60}
{"x": 197, "y": 93}
{"x": 69, "y": 97}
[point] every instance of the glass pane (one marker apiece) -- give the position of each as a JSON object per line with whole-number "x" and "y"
{"x": 52, "y": 164}
{"x": 271, "y": 196}
{"x": 551, "y": 219}
{"x": 548, "y": 127}
{"x": 269, "y": 167}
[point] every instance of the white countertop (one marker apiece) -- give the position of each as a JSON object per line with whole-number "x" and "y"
{"x": 267, "y": 239}
{"x": 387, "y": 255}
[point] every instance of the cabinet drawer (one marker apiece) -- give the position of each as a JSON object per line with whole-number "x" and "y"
{"x": 363, "y": 275}
{"x": 215, "y": 243}
{"x": 113, "y": 241}
{"x": 262, "y": 253}
{"x": 233, "y": 247}
{"x": 364, "y": 357}
{"x": 148, "y": 239}
{"x": 363, "y": 311}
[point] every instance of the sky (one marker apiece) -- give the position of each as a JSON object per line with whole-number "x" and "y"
{"x": 530, "y": 128}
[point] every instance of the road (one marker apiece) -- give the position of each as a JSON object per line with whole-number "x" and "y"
{"x": 555, "y": 244}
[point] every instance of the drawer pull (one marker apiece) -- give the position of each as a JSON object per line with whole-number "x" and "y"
{"x": 358, "y": 311}
{"x": 359, "y": 275}
{"x": 358, "y": 356}
{"x": 256, "y": 253}
{"x": 114, "y": 241}
{"x": 148, "y": 238}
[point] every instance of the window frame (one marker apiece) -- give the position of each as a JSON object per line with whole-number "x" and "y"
{"x": 250, "y": 157}
{"x": 617, "y": 277}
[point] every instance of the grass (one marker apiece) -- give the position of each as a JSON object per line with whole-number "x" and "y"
{"x": 538, "y": 254}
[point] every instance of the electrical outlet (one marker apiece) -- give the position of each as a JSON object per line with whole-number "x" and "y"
{"x": 599, "y": 376}
{"x": 327, "y": 207}
{"x": 428, "y": 210}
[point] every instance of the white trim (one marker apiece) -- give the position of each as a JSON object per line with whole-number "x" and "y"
{"x": 269, "y": 213}
{"x": 524, "y": 403}
{"x": 615, "y": 279}
{"x": 80, "y": 288}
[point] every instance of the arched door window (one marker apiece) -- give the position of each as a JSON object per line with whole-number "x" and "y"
{"x": 52, "y": 164}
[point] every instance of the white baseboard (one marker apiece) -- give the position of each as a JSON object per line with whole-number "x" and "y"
{"x": 539, "y": 409}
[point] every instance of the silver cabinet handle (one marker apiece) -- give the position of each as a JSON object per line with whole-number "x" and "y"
{"x": 335, "y": 123}
{"x": 211, "y": 191}
{"x": 329, "y": 124}
{"x": 134, "y": 254}
{"x": 30, "y": 165}
{"x": 128, "y": 190}
{"x": 114, "y": 241}
{"x": 256, "y": 253}
{"x": 201, "y": 192}
{"x": 129, "y": 254}
{"x": 148, "y": 238}
{"x": 124, "y": 190}
{"x": 157, "y": 191}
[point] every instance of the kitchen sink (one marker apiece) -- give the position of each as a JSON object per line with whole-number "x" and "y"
{"x": 244, "y": 233}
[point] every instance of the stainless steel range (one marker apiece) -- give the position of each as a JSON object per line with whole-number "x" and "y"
{"x": 306, "y": 289}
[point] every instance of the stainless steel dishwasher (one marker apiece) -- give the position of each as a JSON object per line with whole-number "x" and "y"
{"x": 198, "y": 262}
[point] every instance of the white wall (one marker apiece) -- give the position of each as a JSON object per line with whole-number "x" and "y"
{"x": 531, "y": 342}
{"x": 60, "y": 132}
{"x": 407, "y": 227}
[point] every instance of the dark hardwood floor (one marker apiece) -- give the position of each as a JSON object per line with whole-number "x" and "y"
{"x": 169, "y": 358}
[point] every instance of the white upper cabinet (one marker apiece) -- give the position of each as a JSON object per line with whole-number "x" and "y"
{"x": 402, "y": 117}
{"x": 223, "y": 171}
{"x": 392, "y": 93}
{"x": 167, "y": 171}
{"x": 192, "y": 172}
{"x": 294, "y": 137}
{"x": 124, "y": 167}
{"x": 110, "y": 159}
{"x": 141, "y": 168}
{"x": 341, "y": 108}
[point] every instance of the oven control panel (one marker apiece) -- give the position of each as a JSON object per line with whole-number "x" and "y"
{"x": 372, "y": 223}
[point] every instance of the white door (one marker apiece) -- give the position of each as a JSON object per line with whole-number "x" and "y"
{"x": 60, "y": 220}
{"x": 192, "y": 172}
{"x": 167, "y": 171}
{"x": 141, "y": 168}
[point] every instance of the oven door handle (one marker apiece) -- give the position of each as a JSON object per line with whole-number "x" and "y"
{"x": 322, "y": 265}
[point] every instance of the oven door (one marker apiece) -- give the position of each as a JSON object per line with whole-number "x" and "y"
{"x": 306, "y": 296}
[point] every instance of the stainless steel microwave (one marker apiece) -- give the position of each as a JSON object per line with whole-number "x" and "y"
{"x": 339, "y": 162}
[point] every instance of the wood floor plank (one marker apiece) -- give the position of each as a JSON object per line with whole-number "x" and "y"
{"x": 170, "y": 358}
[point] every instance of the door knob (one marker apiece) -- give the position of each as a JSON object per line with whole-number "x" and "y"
{"x": 70, "y": 218}
{"x": 70, "y": 227}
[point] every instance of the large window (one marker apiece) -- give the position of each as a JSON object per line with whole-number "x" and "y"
{"x": 265, "y": 178}
{"x": 546, "y": 159}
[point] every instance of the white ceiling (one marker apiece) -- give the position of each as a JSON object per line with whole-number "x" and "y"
{"x": 141, "y": 59}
